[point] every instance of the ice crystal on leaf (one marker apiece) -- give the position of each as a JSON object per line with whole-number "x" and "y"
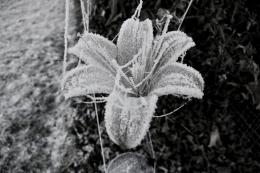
{"x": 134, "y": 73}
{"x": 86, "y": 80}
{"x": 129, "y": 162}
{"x": 128, "y": 118}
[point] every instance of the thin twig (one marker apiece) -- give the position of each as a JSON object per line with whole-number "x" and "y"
{"x": 188, "y": 130}
{"x": 66, "y": 36}
{"x": 91, "y": 102}
{"x": 83, "y": 14}
{"x": 138, "y": 10}
{"x": 95, "y": 98}
{"x": 175, "y": 110}
{"x": 168, "y": 19}
{"x": 104, "y": 101}
{"x": 85, "y": 18}
{"x": 115, "y": 38}
{"x": 151, "y": 144}
{"x": 184, "y": 15}
{"x": 100, "y": 139}
{"x": 153, "y": 153}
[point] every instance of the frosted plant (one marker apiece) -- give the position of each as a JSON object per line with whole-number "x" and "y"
{"x": 135, "y": 72}
{"x": 129, "y": 162}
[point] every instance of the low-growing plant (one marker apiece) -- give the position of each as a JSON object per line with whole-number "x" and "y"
{"x": 135, "y": 72}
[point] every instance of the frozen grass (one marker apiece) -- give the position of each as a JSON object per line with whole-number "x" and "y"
{"x": 34, "y": 120}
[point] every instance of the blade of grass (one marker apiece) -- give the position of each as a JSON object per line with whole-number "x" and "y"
{"x": 85, "y": 15}
{"x": 153, "y": 152}
{"x": 100, "y": 138}
{"x": 175, "y": 110}
{"x": 184, "y": 15}
{"x": 66, "y": 36}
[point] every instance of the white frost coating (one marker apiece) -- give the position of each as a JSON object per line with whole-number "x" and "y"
{"x": 131, "y": 37}
{"x": 95, "y": 50}
{"x": 184, "y": 92}
{"x": 86, "y": 80}
{"x": 177, "y": 84}
{"x": 176, "y": 79}
{"x": 174, "y": 44}
{"x": 179, "y": 68}
{"x": 134, "y": 73}
{"x": 127, "y": 119}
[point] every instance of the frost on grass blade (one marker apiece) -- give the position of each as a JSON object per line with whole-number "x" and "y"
{"x": 178, "y": 79}
{"x": 174, "y": 44}
{"x": 96, "y": 50}
{"x": 131, "y": 37}
{"x": 127, "y": 119}
{"x": 86, "y": 80}
{"x": 129, "y": 163}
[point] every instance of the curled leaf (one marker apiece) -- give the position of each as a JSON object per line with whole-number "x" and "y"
{"x": 127, "y": 119}
{"x": 96, "y": 50}
{"x": 178, "y": 79}
{"x": 129, "y": 163}
{"x": 173, "y": 45}
{"x": 87, "y": 80}
{"x": 131, "y": 37}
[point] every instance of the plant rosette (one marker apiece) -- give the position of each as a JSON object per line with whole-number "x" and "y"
{"x": 135, "y": 72}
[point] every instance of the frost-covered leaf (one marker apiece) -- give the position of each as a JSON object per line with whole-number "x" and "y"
{"x": 178, "y": 79}
{"x": 129, "y": 163}
{"x": 96, "y": 50}
{"x": 86, "y": 80}
{"x": 127, "y": 119}
{"x": 131, "y": 37}
{"x": 174, "y": 44}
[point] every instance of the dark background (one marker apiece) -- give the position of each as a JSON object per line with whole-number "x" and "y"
{"x": 227, "y": 37}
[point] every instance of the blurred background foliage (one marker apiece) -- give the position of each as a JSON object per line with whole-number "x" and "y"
{"x": 221, "y": 132}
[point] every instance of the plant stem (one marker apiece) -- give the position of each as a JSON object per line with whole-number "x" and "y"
{"x": 85, "y": 15}
{"x": 100, "y": 138}
{"x": 66, "y": 36}
{"x": 85, "y": 18}
{"x": 153, "y": 153}
{"x": 184, "y": 15}
{"x": 175, "y": 110}
{"x": 138, "y": 10}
